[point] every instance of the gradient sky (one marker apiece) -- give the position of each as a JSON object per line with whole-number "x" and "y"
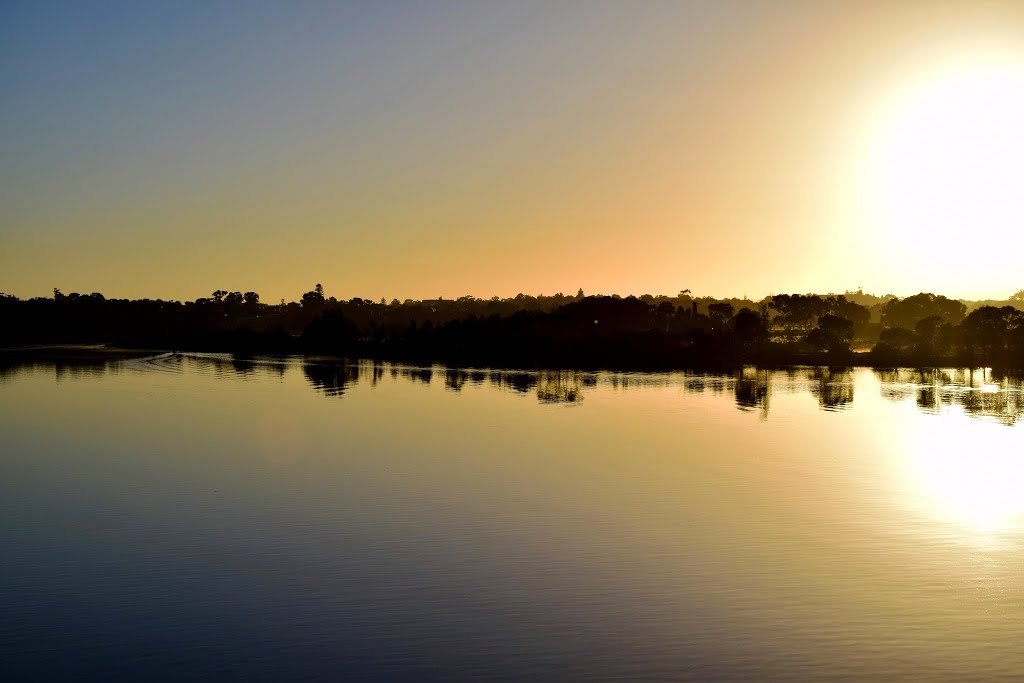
{"x": 424, "y": 149}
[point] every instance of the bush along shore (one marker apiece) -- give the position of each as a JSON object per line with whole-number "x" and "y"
{"x": 558, "y": 331}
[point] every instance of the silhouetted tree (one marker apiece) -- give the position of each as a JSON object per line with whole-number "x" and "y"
{"x": 859, "y": 315}
{"x": 797, "y": 311}
{"x": 649, "y": 331}
{"x": 251, "y": 302}
{"x": 314, "y": 300}
{"x": 720, "y": 314}
{"x": 896, "y": 339}
{"x": 933, "y": 333}
{"x": 665, "y": 312}
{"x": 907, "y": 312}
{"x": 994, "y": 331}
{"x": 749, "y": 328}
{"x": 330, "y": 332}
{"x": 832, "y": 333}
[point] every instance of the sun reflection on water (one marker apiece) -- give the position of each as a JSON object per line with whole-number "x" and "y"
{"x": 967, "y": 476}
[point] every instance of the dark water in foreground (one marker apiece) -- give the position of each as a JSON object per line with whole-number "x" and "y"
{"x": 198, "y": 517}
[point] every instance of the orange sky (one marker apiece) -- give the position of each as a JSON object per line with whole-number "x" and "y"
{"x": 397, "y": 151}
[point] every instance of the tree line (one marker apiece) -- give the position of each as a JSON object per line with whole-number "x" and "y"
{"x": 565, "y": 330}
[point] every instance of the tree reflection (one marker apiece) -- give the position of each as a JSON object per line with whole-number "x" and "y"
{"x": 243, "y": 365}
{"x": 454, "y": 379}
{"x": 1005, "y": 406}
{"x": 377, "y": 374}
{"x": 520, "y": 382}
{"x": 81, "y": 370}
{"x": 716, "y": 384}
{"x": 331, "y": 379}
{"x": 978, "y": 391}
{"x": 275, "y": 367}
{"x": 423, "y": 375}
{"x": 753, "y": 390}
{"x": 560, "y": 386}
{"x": 928, "y": 399}
{"x": 234, "y": 366}
{"x": 833, "y": 387}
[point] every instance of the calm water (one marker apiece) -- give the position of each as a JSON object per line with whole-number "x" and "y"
{"x": 201, "y": 517}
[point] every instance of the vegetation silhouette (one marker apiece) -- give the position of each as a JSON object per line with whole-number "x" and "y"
{"x": 579, "y": 332}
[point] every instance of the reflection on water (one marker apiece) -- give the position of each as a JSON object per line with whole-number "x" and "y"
{"x": 559, "y": 386}
{"x": 980, "y": 392}
{"x": 833, "y": 388}
{"x": 454, "y": 379}
{"x": 61, "y": 370}
{"x": 331, "y": 379}
{"x": 753, "y": 391}
{"x": 205, "y": 516}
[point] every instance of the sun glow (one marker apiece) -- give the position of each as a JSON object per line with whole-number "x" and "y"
{"x": 974, "y": 483}
{"x": 945, "y": 168}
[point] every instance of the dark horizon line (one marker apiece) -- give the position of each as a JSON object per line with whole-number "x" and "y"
{"x": 1015, "y": 297}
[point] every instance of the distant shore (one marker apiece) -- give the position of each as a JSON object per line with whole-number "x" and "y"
{"x": 584, "y": 332}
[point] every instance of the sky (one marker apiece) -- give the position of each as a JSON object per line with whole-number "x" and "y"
{"x": 437, "y": 149}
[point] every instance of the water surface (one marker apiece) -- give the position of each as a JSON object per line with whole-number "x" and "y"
{"x": 202, "y": 516}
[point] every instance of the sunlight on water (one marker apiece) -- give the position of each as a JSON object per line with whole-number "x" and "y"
{"x": 279, "y": 518}
{"x": 974, "y": 479}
